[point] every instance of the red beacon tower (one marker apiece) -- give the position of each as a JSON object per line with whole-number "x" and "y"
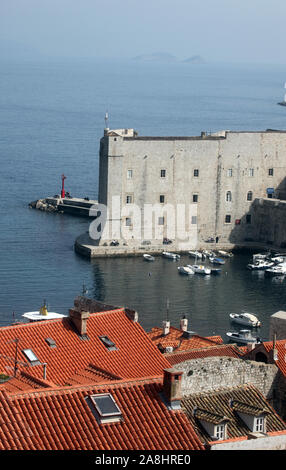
{"x": 63, "y": 194}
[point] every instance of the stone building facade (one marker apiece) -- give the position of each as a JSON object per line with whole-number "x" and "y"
{"x": 216, "y": 177}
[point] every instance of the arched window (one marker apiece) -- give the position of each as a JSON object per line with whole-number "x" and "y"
{"x": 249, "y": 196}
{"x": 228, "y": 196}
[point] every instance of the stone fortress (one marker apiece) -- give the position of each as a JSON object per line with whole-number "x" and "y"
{"x": 233, "y": 182}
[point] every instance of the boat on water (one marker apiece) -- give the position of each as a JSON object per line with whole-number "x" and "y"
{"x": 196, "y": 254}
{"x": 260, "y": 264}
{"x": 148, "y": 257}
{"x": 42, "y": 314}
{"x": 243, "y": 336}
{"x": 225, "y": 254}
{"x": 283, "y": 103}
{"x": 216, "y": 260}
{"x": 277, "y": 270}
{"x": 215, "y": 270}
{"x": 169, "y": 255}
{"x": 185, "y": 270}
{"x": 247, "y": 319}
{"x": 199, "y": 269}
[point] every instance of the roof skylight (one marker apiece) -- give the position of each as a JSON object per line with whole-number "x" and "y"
{"x": 108, "y": 343}
{"x": 106, "y": 408}
{"x": 32, "y": 358}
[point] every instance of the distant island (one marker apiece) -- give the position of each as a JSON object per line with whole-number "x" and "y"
{"x": 168, "y": 58}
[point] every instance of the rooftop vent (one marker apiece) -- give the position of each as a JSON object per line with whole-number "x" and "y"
{"x": 172, "y": 387}
{"x": 51, "y": 342}
{"x": 105, "y": 408}
{"x": 108, "y": 343}
{"x": 187, "y": 334}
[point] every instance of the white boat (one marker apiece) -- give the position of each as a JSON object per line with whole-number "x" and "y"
{"x": 247, "y": 319}
{"x": 196, "y": 254}
{"x": 243, "y": 336}
{"x": 278, "y": 259}
{"x": 199, "y": 269}
{"x": 258, "y": 256}
{"x": 277, "y": 270}
{"x": 225, "y": 254}
{"x": 185, "y": 270}
{"x": 216, "y": 260}
{"x": 42, "y": 314}
{"x": 167, "y": 254}
{"x": 148, "y": 257}
{"x": 260, "y": 264}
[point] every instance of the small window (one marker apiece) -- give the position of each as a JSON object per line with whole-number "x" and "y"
{"x": 32, "y": 358}
{"x": 259, "y": 425}
{"x": 228, "y": 219}
{"x": 162, "y": 198}
{"x": 196, "y": 172}
{"x": 195, "y": 197}
{"x": 249, "y": 196}
{"x": 51, "y": 342}
{"x": 228, "y": 196}
{"x": 251, "y": 172}
{"x": 194, "y": 219}
{"x": 229, "y": 172}
{"x": 248, "y": 219}
{"x": 129, "y": 199}
{"x": 108, "y": 343}
{"x": 128, "y": 222}
{"x": 163, "y": 173}
{"x": 219, "y": 431}
{"x": 270, "y": 171}
{"x": 161, "y": 220}
{"x": 105, "y": 407}
{"x": 129, "y": 174}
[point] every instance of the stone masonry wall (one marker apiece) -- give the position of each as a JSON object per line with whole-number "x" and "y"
{"x": 212, "y": 373}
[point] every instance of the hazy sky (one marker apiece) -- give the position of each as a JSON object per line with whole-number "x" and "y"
{"x": 224, "y": 30}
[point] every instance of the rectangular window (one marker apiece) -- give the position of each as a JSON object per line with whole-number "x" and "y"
{"x": 219, "y": 432}
{"x": 248, "y": 219}
{"x": 229, "y": 172}
{"x": 162, "y": 198}
{"x": 32, "y": 358}
{"x": 259, "y": 425}
{"x": 195, "y": 197}
{"x": 161, "y": 221}
{"x": 129, "y": 199}
{"x": 194, "y": 219}
{"x": 128, "y": 222}
{"x": 228, "y": 219}
{"x": 196, "y": 172}
{"x": 251, "y": 171}
{"x": 163, "y": 173}
{"x": 129, "y": 174}
{"x": 108, "y": 343}
{"x": 270, "y": 172}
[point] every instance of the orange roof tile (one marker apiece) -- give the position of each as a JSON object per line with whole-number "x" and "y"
{"x": 62, "y": 419}
{"x": 135, "y": 356}
{"x": 280, "y": 345}
{"x": 212, "y": 351}
{"x": 176, "y": 339}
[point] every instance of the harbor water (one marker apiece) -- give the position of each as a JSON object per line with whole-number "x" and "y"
{"x": 51, "y": 121}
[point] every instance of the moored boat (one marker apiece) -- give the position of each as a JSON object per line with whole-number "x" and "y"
{"x": 277, "y": 270}
{"x": 216, "y": 260}
{"x": 167, "y": 254}
{"x": 225, "y": 254}
{"x": 247, "y": 319}
{"x": 185, "y": 270}
{"x": 260, "y": 264}
{"x": 243, "y": 336}
{"x": 199, "y": 269}
{"x": 148, "y": 257}
{"x": 196, "y": 254}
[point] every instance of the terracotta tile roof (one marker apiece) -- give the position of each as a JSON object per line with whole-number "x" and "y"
{"x": 176, "y": 339}
{"x": 62, "y": 419}
{"x": 135, "y": 356}
{"x": 219, "y": 402}
{"x": 281, "y": 353}
{"x": 229, "y": 350}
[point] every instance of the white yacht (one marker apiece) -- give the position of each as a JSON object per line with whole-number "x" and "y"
{"x": 260, "y": 264}
{"x": 246, "y": 319}
{"x": 148, "y": 257}
{"x": 243, "y": 336}
{"x": 199, "y": 269}
{"x": 277, "y": 270}
{"x": 196, "y": 254}
{"x": 185, "y": 270}
{"x": 167, "y": 254}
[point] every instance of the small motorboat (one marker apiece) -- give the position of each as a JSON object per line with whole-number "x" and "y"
{"x": 199, "y": 269}
{"x": 247, "y": 319}
{"x": 243, "y": 336}
{"x": 196, "y": 254}
{"x": 185, "y": 270}
{"x": 215, "y": 260}
{"x": 148, "y": 257}
{"x": 260, "y": 264}
{"x": 278, "y": 259}
{"x": 277, "y": 270}
{"x": 225, "y": 254}
{"x": 258, "y": 256}
{"x": 169, "y": 255}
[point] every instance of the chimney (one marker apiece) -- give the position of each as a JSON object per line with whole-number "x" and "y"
{"x": 166, "y": 327}
{"x": 79, "y": 319}
{"x": 184, "y": 324}
{"x": 274, "y": 349}
{"x": 172, "y": 387}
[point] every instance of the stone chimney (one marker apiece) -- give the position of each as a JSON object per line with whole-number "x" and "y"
{"x": 166, "y": 327}
{"x": 79, "y": 319}
{"x": 172, "y": 386}
{"x": 184, "y": 324}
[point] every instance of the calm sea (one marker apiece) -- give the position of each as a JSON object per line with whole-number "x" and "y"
{"x": 51, "y": 121}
